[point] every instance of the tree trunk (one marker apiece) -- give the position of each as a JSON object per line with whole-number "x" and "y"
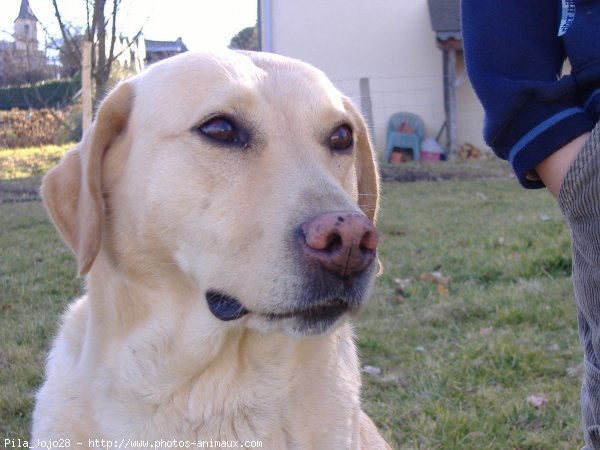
{"x": 102, "y": 68}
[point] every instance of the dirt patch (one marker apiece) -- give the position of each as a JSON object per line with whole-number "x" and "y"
{"x": 445, "y": 171}
{"x": 16, "y": 193}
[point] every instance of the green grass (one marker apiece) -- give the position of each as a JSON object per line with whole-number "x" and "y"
{"x": 457, "y": 364}
{"x": 36, "y": 279}
{"x": 457, "y": 367}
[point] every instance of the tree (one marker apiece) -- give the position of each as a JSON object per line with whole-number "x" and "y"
{"x": 69, "y": 54}
{"x": 23, "y": 68}
{"x": 95, "y": 31}
{"x": 246, "y": 39}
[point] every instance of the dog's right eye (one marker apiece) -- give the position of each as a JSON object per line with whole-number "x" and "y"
{"x": 225, "y": 131}
{"x": 341, "y": 138}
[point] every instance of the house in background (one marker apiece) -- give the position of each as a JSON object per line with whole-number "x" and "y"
{"x": 406, "y": 59}
{"x": 157, "y": 50}
{"x": 135, "y": 54}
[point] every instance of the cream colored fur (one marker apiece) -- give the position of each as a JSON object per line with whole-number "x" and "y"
{"x": 157, "y": 214}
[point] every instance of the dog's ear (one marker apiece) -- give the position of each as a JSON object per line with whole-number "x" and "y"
{"x": 367, "y": 172}
{"x": 72, "y": 191}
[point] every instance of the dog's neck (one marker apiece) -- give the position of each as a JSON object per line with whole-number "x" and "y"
{"x": 205, "y": 370}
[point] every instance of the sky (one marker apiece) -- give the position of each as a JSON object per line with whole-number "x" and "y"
{"x": 202, "y": 24}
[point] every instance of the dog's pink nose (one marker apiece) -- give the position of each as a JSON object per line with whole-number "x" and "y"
{"x": 341, "y": 242}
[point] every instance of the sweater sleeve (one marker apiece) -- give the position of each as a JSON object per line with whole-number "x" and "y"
{"x": 514, "y": 59}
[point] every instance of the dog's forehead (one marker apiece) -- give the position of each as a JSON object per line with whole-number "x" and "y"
{"x": 196, "y": 80}
{"x": 291, "y": 76}
{"x": 194, "y": 74}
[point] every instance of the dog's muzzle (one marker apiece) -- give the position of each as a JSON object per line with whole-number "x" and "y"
{"x": 337, "y": 252}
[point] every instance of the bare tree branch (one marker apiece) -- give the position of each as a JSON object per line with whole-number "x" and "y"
{"x": 105, "y": 50}
{"x": 127, "y": 47}
{"x": 63, "y": 30}
{"x": 51, "y": 110}
{"x": 114, "y": 35}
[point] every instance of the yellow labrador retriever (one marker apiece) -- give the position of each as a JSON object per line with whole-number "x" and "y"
{"x": 221, "y": 207}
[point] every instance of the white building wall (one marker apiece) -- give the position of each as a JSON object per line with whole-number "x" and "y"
{"x": 388, "y": 41}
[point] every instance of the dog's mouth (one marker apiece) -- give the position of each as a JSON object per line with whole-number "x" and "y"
{"x": 326, "y": 311}
{"x": 227, "y": 308}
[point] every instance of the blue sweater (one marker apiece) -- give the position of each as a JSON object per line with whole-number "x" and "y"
{"x": 514, "y": 53}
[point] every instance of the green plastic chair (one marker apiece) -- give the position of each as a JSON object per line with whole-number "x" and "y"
{"x": 396, "y": 138}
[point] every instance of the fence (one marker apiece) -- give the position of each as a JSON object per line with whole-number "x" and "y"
{"x": 422, "y": 95}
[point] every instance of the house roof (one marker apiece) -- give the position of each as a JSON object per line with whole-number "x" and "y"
{"x": 165, "y": 46}
{"x": 25, "y": 12}
{"x": 445, "y": 18}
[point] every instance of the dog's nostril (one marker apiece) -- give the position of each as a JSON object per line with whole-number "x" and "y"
{"x": 321, "y": 239}
{"x": 334, "y": 242}
{"x": 369, "y": 241}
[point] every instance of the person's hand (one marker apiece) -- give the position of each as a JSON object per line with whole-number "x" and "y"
{"x": 553, "y": 169}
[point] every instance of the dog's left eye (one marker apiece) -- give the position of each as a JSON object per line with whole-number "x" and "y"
{"x": 341, "y": 138}
{"x": 224, "y": 130}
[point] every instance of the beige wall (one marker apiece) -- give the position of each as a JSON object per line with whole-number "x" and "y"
{"x": 390, "y": 42}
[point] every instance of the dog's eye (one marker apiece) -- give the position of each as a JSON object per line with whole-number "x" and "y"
{"x": 341, "y": 138}
{"x": 224, "y": 130}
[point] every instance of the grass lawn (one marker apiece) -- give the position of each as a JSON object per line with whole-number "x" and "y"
{"x": 460, "y": 357}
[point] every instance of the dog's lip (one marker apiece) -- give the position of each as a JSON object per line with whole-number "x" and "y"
{"x": 228, "y": 308}
{"x": 323, "y": 310}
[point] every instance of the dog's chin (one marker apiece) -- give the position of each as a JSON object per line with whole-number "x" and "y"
{"x": 314, "y": 320}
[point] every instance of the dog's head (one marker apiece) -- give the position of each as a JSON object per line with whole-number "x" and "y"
{"x": 248, "y": 175}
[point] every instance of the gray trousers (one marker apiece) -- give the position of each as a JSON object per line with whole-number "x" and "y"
{"x": 579, "y": 201}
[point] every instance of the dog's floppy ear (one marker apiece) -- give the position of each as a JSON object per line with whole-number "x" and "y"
{"x": 367, "y": 173}
{"x": 72, "y": 191}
